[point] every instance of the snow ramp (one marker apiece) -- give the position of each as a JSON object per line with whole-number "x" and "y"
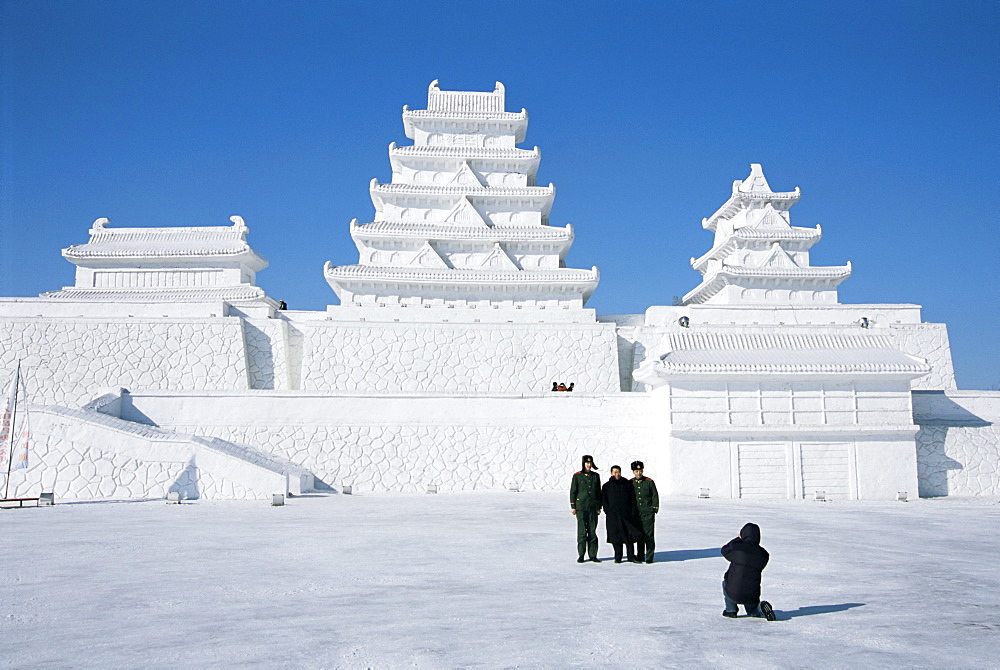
{"x": 86, "y": 454}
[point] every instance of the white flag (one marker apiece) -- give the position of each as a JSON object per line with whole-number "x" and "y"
{"x": 22, "y": 456}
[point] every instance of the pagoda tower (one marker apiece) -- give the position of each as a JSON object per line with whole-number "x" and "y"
{"x": 463, "y": 223}
{"x": 758, "y": 257}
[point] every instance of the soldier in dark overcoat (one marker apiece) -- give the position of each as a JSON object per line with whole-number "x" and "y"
{"x": 585, "y": 502}
{"x": 621, "y": 515}
{"x": 648, "y": 502}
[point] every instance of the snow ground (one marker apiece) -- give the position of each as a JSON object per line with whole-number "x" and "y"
{"x": 490, "y": 580}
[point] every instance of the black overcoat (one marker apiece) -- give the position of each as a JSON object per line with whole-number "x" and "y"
{"x": 620, "y": 511}
{"x": 746, "y": 561}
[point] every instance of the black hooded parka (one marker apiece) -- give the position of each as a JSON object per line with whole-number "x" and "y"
{"x": 746, "y": 561}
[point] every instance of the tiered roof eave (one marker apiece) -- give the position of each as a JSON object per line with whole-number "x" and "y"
{"x": 752, "y": 192}
{"x": 538, "y": 198}
{"x": 509, "y": 123}
{"x": 797, "y": 239}
{"x": 710, "y": 355}
{"x": 166, "y": 247}
{"x": 814, "y": 278}
{"x": 467, "y": 284}
{"x": 381, "y": 230}
{"x": 526, "y": 160}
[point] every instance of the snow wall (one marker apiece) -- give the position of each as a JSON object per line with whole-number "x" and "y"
{"x": 83, "y": 454}
{"x": 397, "y": 406}
{"x": 958, "y": 446}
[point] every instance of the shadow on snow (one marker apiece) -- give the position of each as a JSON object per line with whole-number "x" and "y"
{"x": 784, "y": 615}
{"x": 685, "y": 555}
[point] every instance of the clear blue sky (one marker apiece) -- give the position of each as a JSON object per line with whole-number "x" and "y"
{"x": 184, "y": 113}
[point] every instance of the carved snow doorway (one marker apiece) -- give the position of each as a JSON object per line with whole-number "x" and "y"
{"x": 762, "y": 469}
{"x": 827, "y": 467}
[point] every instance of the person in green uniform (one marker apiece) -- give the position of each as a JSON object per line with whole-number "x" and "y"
{"x": 585, "y": 502}
{"x": 648, "y": 502}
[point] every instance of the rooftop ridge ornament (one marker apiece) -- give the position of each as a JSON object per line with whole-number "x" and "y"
{"x": 465, "y": 101}
{"x": 755, "y": 183}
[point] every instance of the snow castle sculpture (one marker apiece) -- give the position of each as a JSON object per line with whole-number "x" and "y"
{"x": 166, "y": 369}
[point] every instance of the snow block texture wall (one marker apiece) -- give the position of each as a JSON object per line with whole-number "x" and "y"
{"x": 395, "y": 442}
{"x": 83, "y": 454}
{"x": 958, "y": 446}
{"x": 63, "y": 360}
{"x": 459, "y": 358}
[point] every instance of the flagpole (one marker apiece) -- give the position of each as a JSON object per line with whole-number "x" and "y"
{"x": 10, "y": 434}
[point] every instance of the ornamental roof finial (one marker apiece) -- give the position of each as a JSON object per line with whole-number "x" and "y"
{"x": 756, "y": 182}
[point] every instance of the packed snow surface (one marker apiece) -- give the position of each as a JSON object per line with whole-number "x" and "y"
{"x": 490, "y": 580}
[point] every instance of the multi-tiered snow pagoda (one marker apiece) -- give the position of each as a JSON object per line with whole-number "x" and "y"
{"x": 463, "y": 222}
{"x": 758, "y": 256}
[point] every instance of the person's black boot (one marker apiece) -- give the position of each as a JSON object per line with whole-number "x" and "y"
{"x": 768, "y": 611}
{"x": 580, "y": 560}
{"x": 595, "y": 560}
{"x": 728, "y": 614}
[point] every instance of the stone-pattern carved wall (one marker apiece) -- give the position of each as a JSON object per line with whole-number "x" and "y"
{"x": 459, "y": 357}
{"x": 81, "y": 455}
{"x": 958, "y": 460}
{"x": 66, "y": 361}
{"x": 929, "y": 341}
{"x": 267, "y": 364}
{"x": 455, "y": 458}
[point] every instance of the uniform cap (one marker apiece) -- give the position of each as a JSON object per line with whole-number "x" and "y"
{"x": 637, "y": 465}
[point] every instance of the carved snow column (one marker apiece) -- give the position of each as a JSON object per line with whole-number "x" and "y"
{"x": 758, "y": 257}
{"x": 463, "y": 222}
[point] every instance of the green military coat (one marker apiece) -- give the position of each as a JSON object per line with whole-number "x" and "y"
{"x": 646, "y": 497}
{"x": 585, "y": 491}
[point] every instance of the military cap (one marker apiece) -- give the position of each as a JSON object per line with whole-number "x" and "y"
{"x": 637, "y": 465}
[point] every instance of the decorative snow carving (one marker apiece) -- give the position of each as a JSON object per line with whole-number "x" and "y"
{"x": 498, "y": 260}
{"x": 750, "y": 262}
{"x": 427, "y": 257}
{"x": 768, "y": 217}
{"x": 487, "y": 222}
{"x": 466, "y": 177}
{"x": 464, "y": 212}
{"x": 779, "y": 258}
